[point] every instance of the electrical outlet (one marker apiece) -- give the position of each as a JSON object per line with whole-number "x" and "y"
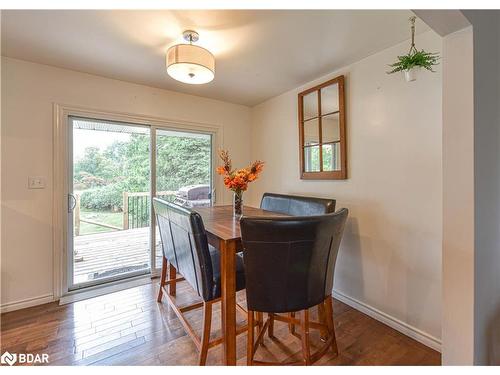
{"x": 36, "y": 182}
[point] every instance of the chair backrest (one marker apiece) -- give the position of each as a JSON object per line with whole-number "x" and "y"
{"x": 290, "y": 261}
{"x": 185, "y": 245}
{"x": 296, "y": 205}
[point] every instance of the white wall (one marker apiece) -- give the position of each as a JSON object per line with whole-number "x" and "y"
{"x": 390, "y": 258}
{"x": 486, "y": 26}
{"x": 28, "y": 93}
{"x": 458, "y": 199}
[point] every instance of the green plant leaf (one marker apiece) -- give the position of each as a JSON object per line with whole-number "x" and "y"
{"x": 426, "y": 60}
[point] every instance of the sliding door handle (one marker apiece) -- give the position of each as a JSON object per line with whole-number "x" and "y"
{"x": 71, "y": 203}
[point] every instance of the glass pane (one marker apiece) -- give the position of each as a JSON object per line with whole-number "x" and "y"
{"x": 330, "y": 99}
{"x": 311, "y": 105}
{"x": 111, "y": 176}
{"x": 330, "y": 126}
{"x": 331, "y": 157}
{"x": 183, "y": 171}
{"x": 311, "y": 132}
{"x": 311, "y": 159}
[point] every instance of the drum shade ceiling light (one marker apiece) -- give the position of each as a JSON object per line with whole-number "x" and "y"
{"x": 189, "y": 63}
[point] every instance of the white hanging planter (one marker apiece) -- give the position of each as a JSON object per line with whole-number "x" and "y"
{"x": 415, "y": 58}
{"x": 411, "y": 74}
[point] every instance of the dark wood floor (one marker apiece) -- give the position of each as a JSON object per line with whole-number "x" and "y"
{"x": 131, "y": 328}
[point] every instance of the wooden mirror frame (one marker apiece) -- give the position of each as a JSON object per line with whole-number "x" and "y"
{"x": 324, "y": 175}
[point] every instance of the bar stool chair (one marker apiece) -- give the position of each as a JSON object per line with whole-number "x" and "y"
{"x": 289, "y": 267}
{"x": 186, "y": 250}
{"x": 294, "y": 205}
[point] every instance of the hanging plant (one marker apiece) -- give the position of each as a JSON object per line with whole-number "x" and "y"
{"x": 415, "y": 59}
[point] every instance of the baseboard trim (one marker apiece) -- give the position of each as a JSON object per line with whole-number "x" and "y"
{"x": 28, "y": 302}
{"x": 398, "y": 325}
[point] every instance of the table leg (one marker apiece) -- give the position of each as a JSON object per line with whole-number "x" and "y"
{"x": 228, "y": 280}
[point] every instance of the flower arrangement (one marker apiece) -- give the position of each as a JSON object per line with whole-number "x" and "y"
{"x": 237, "y": 180}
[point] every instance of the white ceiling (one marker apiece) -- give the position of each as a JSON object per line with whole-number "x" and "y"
{"x": 259, "y": 53}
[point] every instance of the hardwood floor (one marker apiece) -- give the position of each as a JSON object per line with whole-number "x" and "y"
{"x": 131, "y": 328}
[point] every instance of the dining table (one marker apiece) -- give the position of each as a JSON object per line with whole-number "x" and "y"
{"x": 223, "y": 233}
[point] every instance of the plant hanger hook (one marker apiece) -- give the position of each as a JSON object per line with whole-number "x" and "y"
{"x": 412, "y": 27}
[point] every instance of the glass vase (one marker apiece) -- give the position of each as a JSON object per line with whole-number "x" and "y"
{"x": 238, "y": 203}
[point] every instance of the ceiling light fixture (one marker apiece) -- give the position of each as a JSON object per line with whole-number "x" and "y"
{"x": 189, "y": 63}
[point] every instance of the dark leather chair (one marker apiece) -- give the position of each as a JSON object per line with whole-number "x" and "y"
{"x": 185, "y": 247}
{"x": 289, "y": 267}
{"x": 295, "y": 205}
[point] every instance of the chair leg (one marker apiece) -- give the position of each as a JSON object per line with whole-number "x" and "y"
{"x": 270, "y": 331}
{"x": 322, "y": 319}
{"x": 271, "y": 325}
{"x": 250, "y": 338}
{"x": 172, "y": 275}
{"x": 306, "y": 351}
{"x": 205, "y": 337}
{"x": 329, "y": 319}
{"x": 291, "y": 326}
{"x": 162, "y": 279}
{"x": 260, "y": 321}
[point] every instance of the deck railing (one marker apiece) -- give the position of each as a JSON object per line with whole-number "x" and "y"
{"x": 136, "y": 211}
{"x": 136, "y": 208}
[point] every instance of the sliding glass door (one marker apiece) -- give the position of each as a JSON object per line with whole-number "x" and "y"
{"x": 112, "y": 233}
{"x": 183, "y": 171}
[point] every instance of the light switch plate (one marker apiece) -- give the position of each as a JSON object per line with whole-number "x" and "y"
{"x": 36, "y": 182}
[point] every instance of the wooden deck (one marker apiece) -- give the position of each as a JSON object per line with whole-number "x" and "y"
{"x": 111, "y": 253}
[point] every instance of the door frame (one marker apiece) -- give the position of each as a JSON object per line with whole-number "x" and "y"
{"x": 61, "y": 158}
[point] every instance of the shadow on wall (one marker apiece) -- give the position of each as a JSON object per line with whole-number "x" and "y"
{"x": 415, "y": 280}
{"x": 349, "y": 265}
{"x": 388, "y": 266}
{"x": 493, "y": 338}
{"x": 25, "y": 254}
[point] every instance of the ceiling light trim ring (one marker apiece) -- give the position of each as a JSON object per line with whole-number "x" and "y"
{"x": 191, "y": 63}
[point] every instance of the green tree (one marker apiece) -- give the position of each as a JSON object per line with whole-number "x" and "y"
{"x": 182, "y": 161}
{"x": 125, "y": 166}
{"x": 94, "y": 165}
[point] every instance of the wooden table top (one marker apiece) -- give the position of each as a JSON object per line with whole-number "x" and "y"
{"x": 220, "y": 222}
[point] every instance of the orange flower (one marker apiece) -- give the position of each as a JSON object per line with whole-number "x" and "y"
{"x": 257, "y": 167}
{"x": 237, "y": 180}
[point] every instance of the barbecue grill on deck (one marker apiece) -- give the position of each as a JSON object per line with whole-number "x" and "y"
{"x": 193, "y": 196}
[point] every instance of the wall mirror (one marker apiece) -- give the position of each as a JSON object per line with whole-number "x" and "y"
{"x": 322, "y": 131}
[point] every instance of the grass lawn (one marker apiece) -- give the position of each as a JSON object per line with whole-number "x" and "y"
{"x": 105, "y": 217}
